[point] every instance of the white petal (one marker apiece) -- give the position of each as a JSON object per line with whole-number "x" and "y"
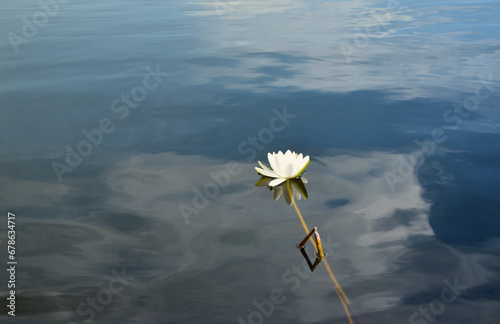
{"x": 280, "y": 162}
{"x": 288, "y": 171}
{"x": 301, "y": 167}
{"x": 290, "y": 157}
{"x": 263, "y": 166}
{"x": 273, "y": 161}
{"x": 266, "y": 173}
{"x": 297, "y": 165}
{"x": 276, "y": 182}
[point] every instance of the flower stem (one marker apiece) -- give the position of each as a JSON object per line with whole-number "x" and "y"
{"x": 340, "y": 292}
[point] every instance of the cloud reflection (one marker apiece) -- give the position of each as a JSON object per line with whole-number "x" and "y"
{"x": 151, "y": 184}
{"x": 345, "y": 46}
{"x": 383, "y": 241}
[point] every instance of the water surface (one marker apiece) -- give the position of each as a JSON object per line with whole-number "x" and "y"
{"x": 156, "y": 219}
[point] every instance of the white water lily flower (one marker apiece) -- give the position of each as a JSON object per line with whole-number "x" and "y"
{"x": 283, "y": 166}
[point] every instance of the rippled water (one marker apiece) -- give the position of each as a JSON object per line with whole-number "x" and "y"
{"x": 129, "y": 133}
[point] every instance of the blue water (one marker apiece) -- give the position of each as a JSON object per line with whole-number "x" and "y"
{"x": 129, "y": 133}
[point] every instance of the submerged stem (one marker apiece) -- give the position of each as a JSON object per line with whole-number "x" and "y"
{"x": 340, "y": 292}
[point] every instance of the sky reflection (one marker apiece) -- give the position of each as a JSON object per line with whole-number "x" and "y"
{"x": 363, "y": 82}
{"x": 436, "y": 54}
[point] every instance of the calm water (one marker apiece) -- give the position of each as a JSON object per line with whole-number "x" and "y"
{"x": 129, "y": 132}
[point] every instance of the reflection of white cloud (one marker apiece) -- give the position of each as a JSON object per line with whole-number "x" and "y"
{"x": 41, "y": 194}
{"x": 372, "y": 228}
{"x": 374, "y": 233}
{"x": 414, "y": 52}
{"x": 368, "y": 230}
{"x": 370, "y": 234}
{"x": 240, "y": 9}
{"x": 363, "y": 183}
{"x": 154, "y": 184}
